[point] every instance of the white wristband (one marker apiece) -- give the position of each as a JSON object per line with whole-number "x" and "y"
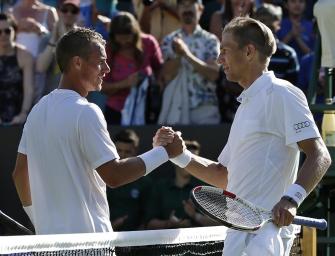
{"x": 154, "y": 158}
{"x": 296, "y": 192}
{"x": 29, "y": 211}
{"x": 183, "y": 159}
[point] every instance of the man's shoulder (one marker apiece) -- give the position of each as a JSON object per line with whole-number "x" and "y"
{"x": 284, "y": 88}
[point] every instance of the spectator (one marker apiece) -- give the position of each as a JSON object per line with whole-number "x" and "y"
{"x": 170, "y": 206}
{"x": 284, "y": 61}
{"x": 230, "y": 10}
{"x": 295, "y": 30}
{"x": 46, "y": 61}
{"x": 16, "y": 75}
{"x": 158, "y": 18}
{"x": 35, "y": 21}
{"x": 132, "y": 56}
{"x": 127, "y": 203}
{"x": 190, "y": 71}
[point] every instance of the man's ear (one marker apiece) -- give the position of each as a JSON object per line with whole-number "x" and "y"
{"x": 250, "y": 51}
{"x": 76, "y": 62}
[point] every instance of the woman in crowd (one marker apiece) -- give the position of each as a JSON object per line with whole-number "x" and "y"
{"x": 16, "y": 75}
{"x": 230, "y": 9}
{"x": 132, "y": 55}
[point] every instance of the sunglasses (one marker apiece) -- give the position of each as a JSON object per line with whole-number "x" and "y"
{"x": 5, "y": 31}
{"x": 73, "y": 11}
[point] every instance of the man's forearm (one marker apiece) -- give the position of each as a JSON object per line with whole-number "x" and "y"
{"x": 21, "y": 180}
{"x": 314, "y": 168}
{"x": 209, "y": 71}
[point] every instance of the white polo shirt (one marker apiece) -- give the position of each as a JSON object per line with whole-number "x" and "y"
{"x": 65, "y": 139}
{"x": 262, "y": 155}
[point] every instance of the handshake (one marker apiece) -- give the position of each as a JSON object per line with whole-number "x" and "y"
{"x": 170, "y": 140}
{"x": 167, "y": 145}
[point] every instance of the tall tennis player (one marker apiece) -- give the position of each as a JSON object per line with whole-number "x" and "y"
{"x": 260, "y": 160}
{"x": 66, "y": 156}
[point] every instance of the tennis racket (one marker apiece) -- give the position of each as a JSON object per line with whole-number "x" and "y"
{"x": 237, "y": 213}
{"x": 12, "y": 227}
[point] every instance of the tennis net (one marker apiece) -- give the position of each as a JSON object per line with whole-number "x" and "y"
{"x": 173, "y": 242}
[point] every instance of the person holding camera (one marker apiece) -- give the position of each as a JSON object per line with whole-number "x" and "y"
{"x": 157, "y": 17}
{"x": 132, "y": 56}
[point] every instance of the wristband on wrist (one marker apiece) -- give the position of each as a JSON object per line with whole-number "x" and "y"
{"x": 291, "y": 200}
{"x": 29, "y": 211}
{"x": 183, "y": 159}
{"x": 154, "y": 158}
{"x": 297, "y": 193}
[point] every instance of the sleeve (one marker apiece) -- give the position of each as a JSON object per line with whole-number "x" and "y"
{"x": 299, "y": 123}
{"x": 22, "y": 145}
{"x": 94, "y": 139}
{"x": 224, "y": 155}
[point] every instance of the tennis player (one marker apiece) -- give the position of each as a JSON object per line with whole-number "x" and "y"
{"x": 260, "y": 160}
{"x": 66, "y": 156}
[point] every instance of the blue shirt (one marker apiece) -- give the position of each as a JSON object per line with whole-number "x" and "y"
{"x": 306, "y": 35}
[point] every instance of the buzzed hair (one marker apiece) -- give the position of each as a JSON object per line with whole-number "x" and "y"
{"x": 76, "y": 42}
{"x": 268, "y": 13}
{"x": 127, "y": 136}
{"x": 246, "y": 31}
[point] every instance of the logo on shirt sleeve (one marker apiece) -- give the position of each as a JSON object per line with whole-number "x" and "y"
{"x": 299, "y": 126}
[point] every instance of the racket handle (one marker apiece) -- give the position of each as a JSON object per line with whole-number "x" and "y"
{"x": 310, "y": 222}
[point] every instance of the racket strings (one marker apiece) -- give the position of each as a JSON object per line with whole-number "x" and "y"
{"x": 230, "y": 210}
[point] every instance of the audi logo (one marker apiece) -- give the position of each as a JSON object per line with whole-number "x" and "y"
{"x": 301, "y": 125}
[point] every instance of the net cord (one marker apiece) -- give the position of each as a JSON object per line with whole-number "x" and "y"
{"x": 40, "y": 243}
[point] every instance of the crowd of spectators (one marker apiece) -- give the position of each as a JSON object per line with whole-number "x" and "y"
{"x": 162, "y": 54}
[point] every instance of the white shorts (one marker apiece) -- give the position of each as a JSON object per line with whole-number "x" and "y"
{"x": 266, "y": 242}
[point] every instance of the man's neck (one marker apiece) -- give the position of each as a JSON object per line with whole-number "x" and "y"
{"x": 251, "y": 77}
{"x": 69, "y": 83}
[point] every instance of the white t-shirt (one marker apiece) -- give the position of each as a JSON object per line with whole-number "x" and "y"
{"x": 262, "y": 155}
{"x": 65, "y": 139}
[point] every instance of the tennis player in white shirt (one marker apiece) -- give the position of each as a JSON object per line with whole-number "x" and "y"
{"x": 66, "y": 156}
{"x": 261, "y": 158}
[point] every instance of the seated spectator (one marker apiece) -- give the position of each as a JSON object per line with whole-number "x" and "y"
{"x": 16, "y": 75}
{"x": 296, "y": 31}
{"x": 284, "y": 61}
{"x": 35, "y": 19}
{"x": 46, "y": 62}
{"x": 190, "y": 71}
{"x": 158, "y": 18}
{"x": 169, "y": 206}
{"x": 128, "y": 203}
{"x": 230, "y": 10}
{"x": 132, "y": 56}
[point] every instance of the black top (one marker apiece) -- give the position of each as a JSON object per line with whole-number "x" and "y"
{"x": 11, "y": 87}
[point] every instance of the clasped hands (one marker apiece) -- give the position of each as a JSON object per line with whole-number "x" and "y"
{"x": 171, "y": 140}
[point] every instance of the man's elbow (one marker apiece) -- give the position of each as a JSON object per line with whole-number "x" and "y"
{"x": 327, "y": 159}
